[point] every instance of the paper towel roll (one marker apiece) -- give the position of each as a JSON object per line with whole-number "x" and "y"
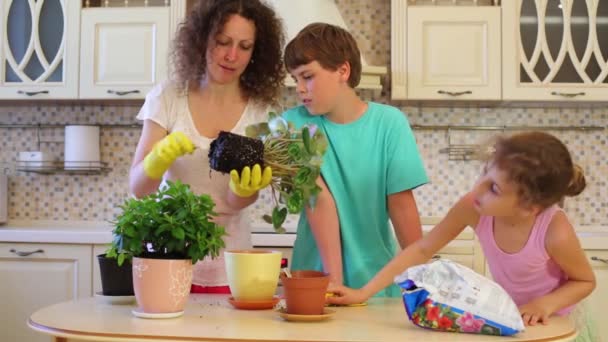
{"x": 82, "y": 148}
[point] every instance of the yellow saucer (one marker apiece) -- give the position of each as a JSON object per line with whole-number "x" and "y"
{"x": 327, "y": 313}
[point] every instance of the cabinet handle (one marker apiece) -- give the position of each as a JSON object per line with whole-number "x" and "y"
{"x": 557, "y": 93}
{"x": 23, "y": 254}
{"x": 454, "y": 93}
{"x": 594, "y": 258}
{"x": 32, "y": 93}
{"x": 122, "y": 93}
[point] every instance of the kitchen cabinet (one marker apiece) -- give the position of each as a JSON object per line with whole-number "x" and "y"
{"x": 39, "y": 49}
{"x": 445, "y": 52}
{"x": 555, "y": 50}
{"x": 123, "y": 51}
{"x": 453, "y": 53}
{"x": 596, "y": 302}
{"x": 37, "y": 275}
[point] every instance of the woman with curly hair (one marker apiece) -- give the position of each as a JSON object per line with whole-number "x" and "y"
{"x": 227, "y": 73}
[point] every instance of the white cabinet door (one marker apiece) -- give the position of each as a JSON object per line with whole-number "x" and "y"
{"x": 123, "y": 51}
{"x": 453, "y": 53}
{"x": 37, "y": 275}
{"x": 555, "y": 50}
{"x": 598, "y": 300}
{"x": 39, "y": 49}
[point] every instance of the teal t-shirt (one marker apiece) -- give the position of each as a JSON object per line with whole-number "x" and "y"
{"x": 366, "y": 160}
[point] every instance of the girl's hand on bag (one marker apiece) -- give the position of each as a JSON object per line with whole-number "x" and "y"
{"x": 534, "y": 312}
{"x": 342, "y": 295}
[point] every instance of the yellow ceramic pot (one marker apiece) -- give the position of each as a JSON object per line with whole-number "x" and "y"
{"x": 253, "y": 274}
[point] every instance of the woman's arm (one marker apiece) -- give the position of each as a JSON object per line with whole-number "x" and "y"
{"x": 139, "y": 183}
{"x": 405, "y": 218}
{"x": 458, "y": 218}
{"x": 564, "y": 248}
{"x": 325, "y": 226}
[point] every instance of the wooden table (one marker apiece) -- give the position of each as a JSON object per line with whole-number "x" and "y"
{"x": 211, "y": 318}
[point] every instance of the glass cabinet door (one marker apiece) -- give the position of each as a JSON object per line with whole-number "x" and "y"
{"x": 39, "y": 49}
{"x": 555, "y": 50}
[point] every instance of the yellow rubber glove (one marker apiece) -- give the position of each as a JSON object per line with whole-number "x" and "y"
{"x": 250, "y": 181}
{"x": 165, "y": 152}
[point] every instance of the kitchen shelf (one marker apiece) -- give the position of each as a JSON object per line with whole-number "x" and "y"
{"x": 52, "y": 167}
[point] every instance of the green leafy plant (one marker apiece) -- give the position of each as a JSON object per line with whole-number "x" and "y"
{"x": 172, "y": 223}
{"x": 295, "y": 157}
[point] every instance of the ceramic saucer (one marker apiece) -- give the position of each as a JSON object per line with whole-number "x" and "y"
{"x": 115, "y": 300}
{"x": 138, "y": 313}
{"x": 327, "y": 313}
{"x": 253, "y": 305}
{"x": 329, "y": 294}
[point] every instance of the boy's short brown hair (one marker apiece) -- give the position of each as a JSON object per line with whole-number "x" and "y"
{"x": 329, "y": 45}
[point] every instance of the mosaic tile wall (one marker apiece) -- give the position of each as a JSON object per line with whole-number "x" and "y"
{"x": 95, "y": 197}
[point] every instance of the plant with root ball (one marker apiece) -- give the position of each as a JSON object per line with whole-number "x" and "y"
{"x": 295, "y": 156}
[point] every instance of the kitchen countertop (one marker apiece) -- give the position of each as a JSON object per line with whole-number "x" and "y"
{"x": 100, "y": 232}
{"x": 211, "y": 318}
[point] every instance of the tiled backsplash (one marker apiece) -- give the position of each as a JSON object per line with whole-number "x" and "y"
{"x": 95, "y": 197}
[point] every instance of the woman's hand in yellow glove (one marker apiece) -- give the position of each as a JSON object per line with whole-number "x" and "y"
{"x": 250, "y": 181}
{"x": 165, "y": 152}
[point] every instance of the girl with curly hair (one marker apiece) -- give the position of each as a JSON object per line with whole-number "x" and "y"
{"x": 219, "y": 82}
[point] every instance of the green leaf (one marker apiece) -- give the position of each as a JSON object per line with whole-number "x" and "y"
{"x": 278, "y": 216}
{"x": 121, "y": 259}
{"x": 306, "y": 139}
{"x": 178, "y": 233}
{"x": 267, "y": 218}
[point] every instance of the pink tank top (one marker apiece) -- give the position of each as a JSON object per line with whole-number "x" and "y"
{"x": 529, "y": 273}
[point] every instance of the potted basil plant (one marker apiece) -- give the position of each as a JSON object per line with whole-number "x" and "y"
{"x": 164, "y": 234}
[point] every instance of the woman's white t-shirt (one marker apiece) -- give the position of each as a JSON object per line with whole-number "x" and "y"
{"x": 168, "y": 107}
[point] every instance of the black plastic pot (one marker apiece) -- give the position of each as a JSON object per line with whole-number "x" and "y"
{"x": 115, "y": 280}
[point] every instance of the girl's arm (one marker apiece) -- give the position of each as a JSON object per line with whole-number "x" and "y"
{"x": 564, "y": 248}
{"x": 325, "y": 226}
{"x": 458, "y": 218}
{"x": 405, "y": 218}
{"x": 139, "y": 183}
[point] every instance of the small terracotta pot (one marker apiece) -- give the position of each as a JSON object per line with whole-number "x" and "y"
{"x": 162, "y": 285}
{"x": 305, "y": 292}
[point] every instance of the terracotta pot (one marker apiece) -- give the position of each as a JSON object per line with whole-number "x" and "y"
{"x": 115, "y": 280}
{"x": 161, "y": 285}
{"x": 305, "y": 292}
{"x": 253, "y": 275}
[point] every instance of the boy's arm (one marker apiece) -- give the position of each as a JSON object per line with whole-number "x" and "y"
{"x": 458, "y": 218}
{"x": 325, "y": 226}
{"x": 405, "y": 218}
{"x": 564, "y": 248}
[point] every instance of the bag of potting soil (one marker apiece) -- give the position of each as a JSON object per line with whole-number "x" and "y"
{"x": 446, "y": 296}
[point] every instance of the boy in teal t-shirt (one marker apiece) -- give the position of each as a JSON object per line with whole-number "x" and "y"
{"x": 369, "y": 169}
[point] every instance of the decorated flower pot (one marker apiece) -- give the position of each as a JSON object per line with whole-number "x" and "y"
{"x": 161, "y": 285}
